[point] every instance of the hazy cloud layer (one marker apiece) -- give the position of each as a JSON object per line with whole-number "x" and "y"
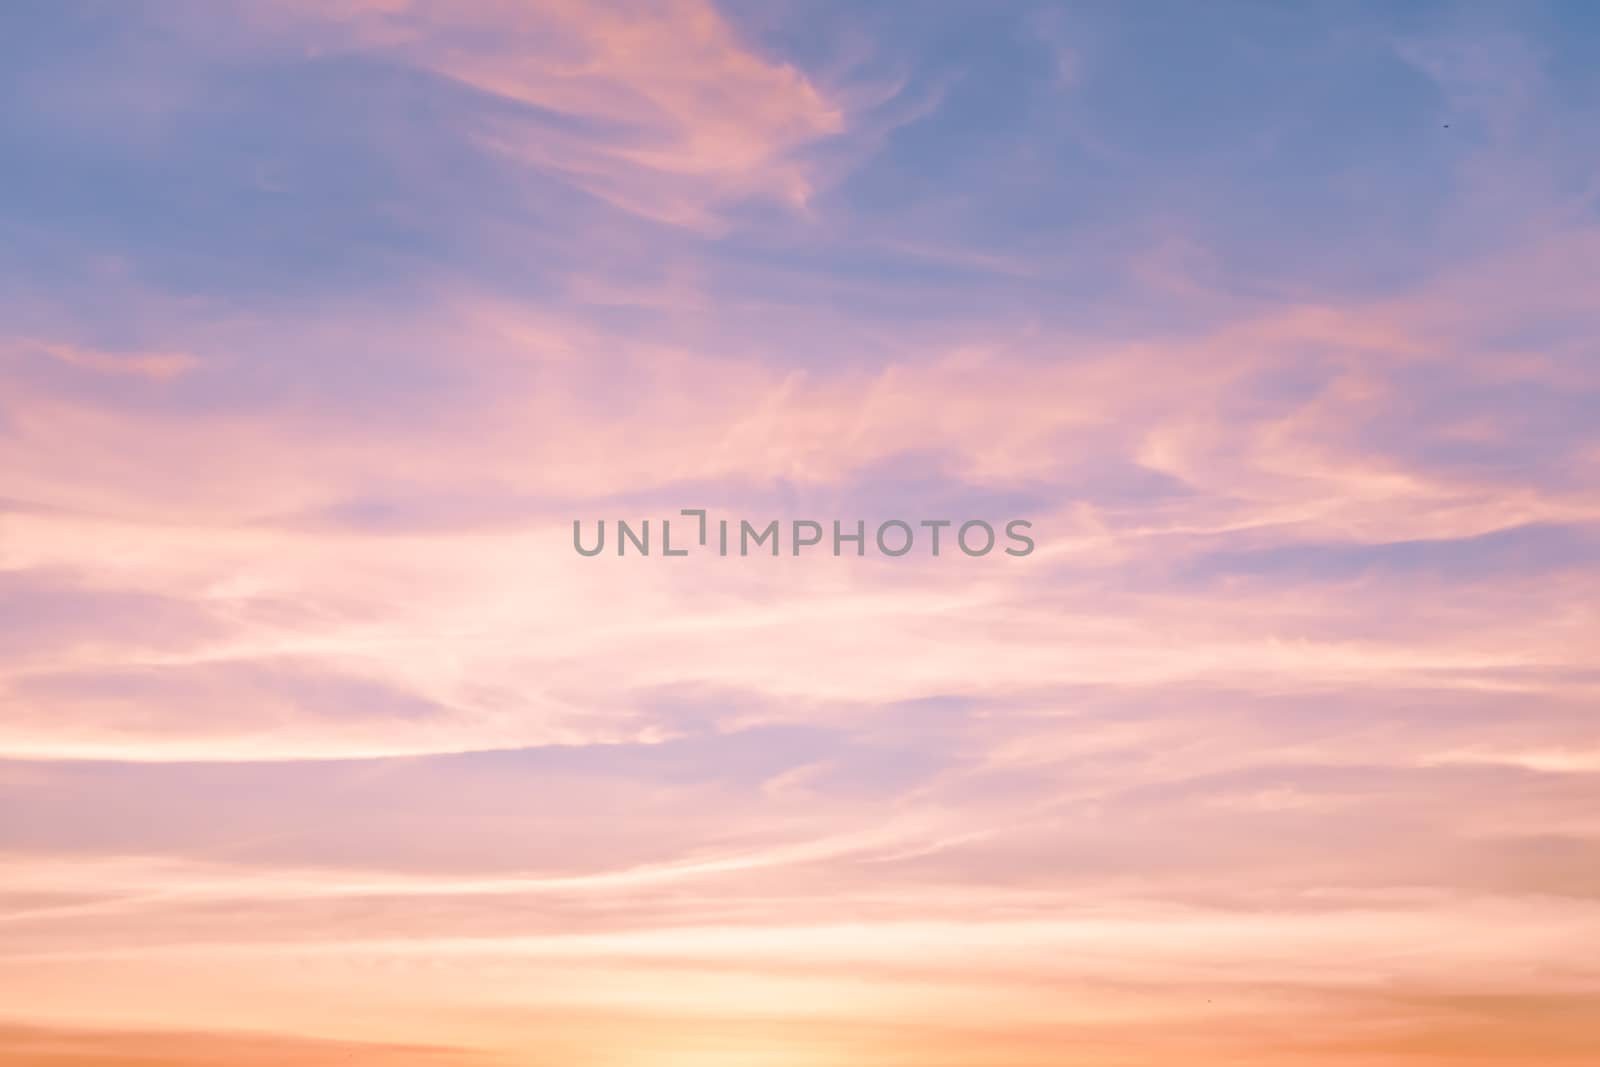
{"x": 322, "y": 322}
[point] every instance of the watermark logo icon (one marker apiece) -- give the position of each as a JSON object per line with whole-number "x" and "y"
{"x": 892, "y": 538}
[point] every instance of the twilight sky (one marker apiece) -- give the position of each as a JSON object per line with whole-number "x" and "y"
{"x": 322, "y": 320}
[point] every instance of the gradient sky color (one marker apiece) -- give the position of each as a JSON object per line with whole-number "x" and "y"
{"x": 322, "y": 320}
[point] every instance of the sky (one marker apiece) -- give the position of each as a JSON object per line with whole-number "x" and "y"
{"x": 323, "y": 321}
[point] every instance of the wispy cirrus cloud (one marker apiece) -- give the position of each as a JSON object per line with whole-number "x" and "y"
{"x": 658, "y": 108}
